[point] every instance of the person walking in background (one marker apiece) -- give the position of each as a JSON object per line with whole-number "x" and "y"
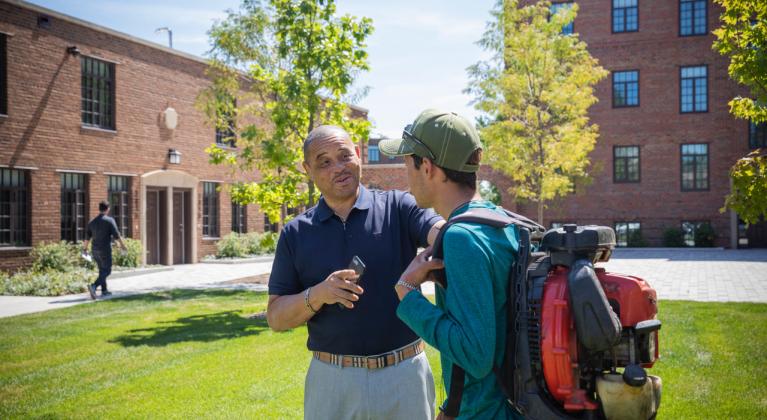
{"x": 101, "y": 231}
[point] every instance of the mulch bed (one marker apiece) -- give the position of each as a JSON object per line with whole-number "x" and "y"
{"x": 257, "y": 279}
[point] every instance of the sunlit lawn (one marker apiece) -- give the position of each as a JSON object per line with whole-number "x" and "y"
{"x": 190, "y": 354}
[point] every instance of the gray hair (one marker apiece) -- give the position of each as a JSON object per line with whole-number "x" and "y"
{"x": 324, "y": 132}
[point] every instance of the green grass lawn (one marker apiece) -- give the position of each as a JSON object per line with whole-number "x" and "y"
{"x": 187, "y": 354}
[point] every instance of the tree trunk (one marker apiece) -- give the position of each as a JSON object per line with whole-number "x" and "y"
{"x": 540, "y": 212}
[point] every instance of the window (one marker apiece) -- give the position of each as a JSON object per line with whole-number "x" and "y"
{"x": 693, "y": 230}
{"x": 3, "y": 75}
{"x": 757, "y": 135}
{"x": 98, "y": 93}
{"x": 268, "y": 225}
{"x": 566, "y": 29}
{"x": 625, "y": 16}
{"x": 210, "y": 209}
{"x": 626, "y": 164}
{"x": 692, "y": 17}
{"x": 694, "y": 167}
{"x": 14, "y": 208}
{"x": 625, "y": 88}
{"x": 74, "y": 207}
{"x": 694, "y": 89}
{"x": 628, "y": 234}
{"x": 118, "y": 192}
{"x": 225, "y": 124}
{"x": 373, "y": 154}
{"x": 239, "y": 218}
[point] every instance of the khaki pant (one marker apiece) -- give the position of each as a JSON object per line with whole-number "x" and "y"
{"x": 402, "y": 391}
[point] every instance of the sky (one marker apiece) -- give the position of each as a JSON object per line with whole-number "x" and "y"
{"x": 419, "y": 51}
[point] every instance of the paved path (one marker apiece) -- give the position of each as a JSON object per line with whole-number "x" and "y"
{"x": 700, "y": 275}
{"x": 676, "y": 274}
{"x": 190, "y": 276}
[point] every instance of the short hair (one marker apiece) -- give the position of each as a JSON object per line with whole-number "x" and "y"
{"x": 464, "y": 179}
{"x": 323, "y": 132}
{"x": 103, "y": 206}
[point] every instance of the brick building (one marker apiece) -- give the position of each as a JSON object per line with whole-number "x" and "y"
{"x": 667, "y": 140}
{"x": 88, "y": 113}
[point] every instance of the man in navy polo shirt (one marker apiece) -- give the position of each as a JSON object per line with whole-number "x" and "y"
{"x": 366, "y": 362}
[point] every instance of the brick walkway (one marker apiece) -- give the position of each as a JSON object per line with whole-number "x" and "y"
{"x": 700, "y": 275}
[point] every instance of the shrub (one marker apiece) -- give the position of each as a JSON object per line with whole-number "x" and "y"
{"x": 704, "y": 235}
{"x": 673, "y": 237}
{"x": 47, "y": 282}
{"x": 636, "y": 239}
{"x": 58, "y": 256}
{"x": 268, "y": 242}
{"x": 252, "y": 243}
{"x": 132, "y": 257}
{"x": 231, "y": 246}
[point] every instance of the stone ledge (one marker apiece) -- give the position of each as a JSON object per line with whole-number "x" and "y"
{"x": 261, "y": 258}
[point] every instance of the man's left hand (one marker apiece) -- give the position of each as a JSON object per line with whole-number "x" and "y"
{"x": 420, "y": 268}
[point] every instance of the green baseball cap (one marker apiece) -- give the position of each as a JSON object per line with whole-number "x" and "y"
{"x": 446, "y": 138}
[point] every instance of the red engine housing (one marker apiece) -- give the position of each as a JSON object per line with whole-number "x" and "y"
{"x": 559, "y": 348}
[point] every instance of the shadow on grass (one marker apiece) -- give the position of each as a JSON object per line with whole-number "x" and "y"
{"x": 201, "y": 328}
{"x": 182, "y": 294}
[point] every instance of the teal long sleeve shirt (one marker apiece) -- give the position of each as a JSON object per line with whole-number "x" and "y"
{"x": 467, "y": 325}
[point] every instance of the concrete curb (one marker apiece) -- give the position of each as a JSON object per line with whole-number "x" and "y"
{"x": 685, "y": 249}
{"x": 138, "y": 272}
{"x": 264, "y": 258}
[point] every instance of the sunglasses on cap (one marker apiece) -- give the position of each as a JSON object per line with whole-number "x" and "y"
{"x": 408, "y": 135}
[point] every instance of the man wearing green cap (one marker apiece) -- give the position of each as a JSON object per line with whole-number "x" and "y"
{"x": 468, "y": 324}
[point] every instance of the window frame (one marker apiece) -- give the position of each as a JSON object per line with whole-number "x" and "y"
{"x": 696, "y": 224}
{"x": 612, "y": 18}
{"x": 112, "y": 114}
{"x": 628, "y": 180}
{"x": 19, "y": 209}
{"x": 694, "y": 111}
{"x": 757, "y": 144}
{"x": 571, "y": 25}
{"x": 119, "y": 201}
{"x": 628, "y": 231}
{"x": 612, "y": 75}
{"x": 377, "y": 153}
{"x": 230, "y": 131}
{"x": 211, "y": 226}
{"x": 681, "y": 168}
{"x": 679, "y": 19}
{"x": 78, "y": 222}
{"x": 239, "y": 217}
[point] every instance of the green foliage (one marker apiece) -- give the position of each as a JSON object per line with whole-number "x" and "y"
{"x": 704, "y": 235}
{"x": 635, "y": 239}
{"x": 235, "y": 245}
{"x": 231, "y": 246}
{"x": 673, "y": 237}
{"x": 749, "y": 187}
{"x": 742, "y": 37}
{"x": 47, "y": 282}
{"x": 488, "y": 191}
{"x": 296, "y": 61}
{"x": 132, "y": 257}
{"x": 535, "y": 93}
{"x": 59, "y": 256}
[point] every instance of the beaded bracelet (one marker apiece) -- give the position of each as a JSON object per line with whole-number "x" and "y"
{"x": 406, "y": 284}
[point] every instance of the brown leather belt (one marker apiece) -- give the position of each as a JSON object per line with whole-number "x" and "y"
{"x": 372, "y": 362}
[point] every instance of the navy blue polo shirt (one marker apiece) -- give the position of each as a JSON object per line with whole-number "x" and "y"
{"x": 384, "y": 228}
{"x": 101, "y": 230}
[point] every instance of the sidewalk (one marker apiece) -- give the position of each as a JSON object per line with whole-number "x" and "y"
{"x": 189, "y": 276}
{"x": 706, "y": 275}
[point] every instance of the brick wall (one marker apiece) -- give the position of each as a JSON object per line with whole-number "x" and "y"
{"x": 43, "y": 128}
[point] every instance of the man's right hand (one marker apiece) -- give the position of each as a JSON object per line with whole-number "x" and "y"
{"x": 339, "y": 287}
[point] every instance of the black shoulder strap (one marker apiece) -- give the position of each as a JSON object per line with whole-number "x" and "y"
{"x": 452, "y": 405}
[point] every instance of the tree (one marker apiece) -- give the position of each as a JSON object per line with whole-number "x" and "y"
{"x": 534, "y": 93}
{"x": 743, "y": 37}
{"x": 280, "y": 68}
